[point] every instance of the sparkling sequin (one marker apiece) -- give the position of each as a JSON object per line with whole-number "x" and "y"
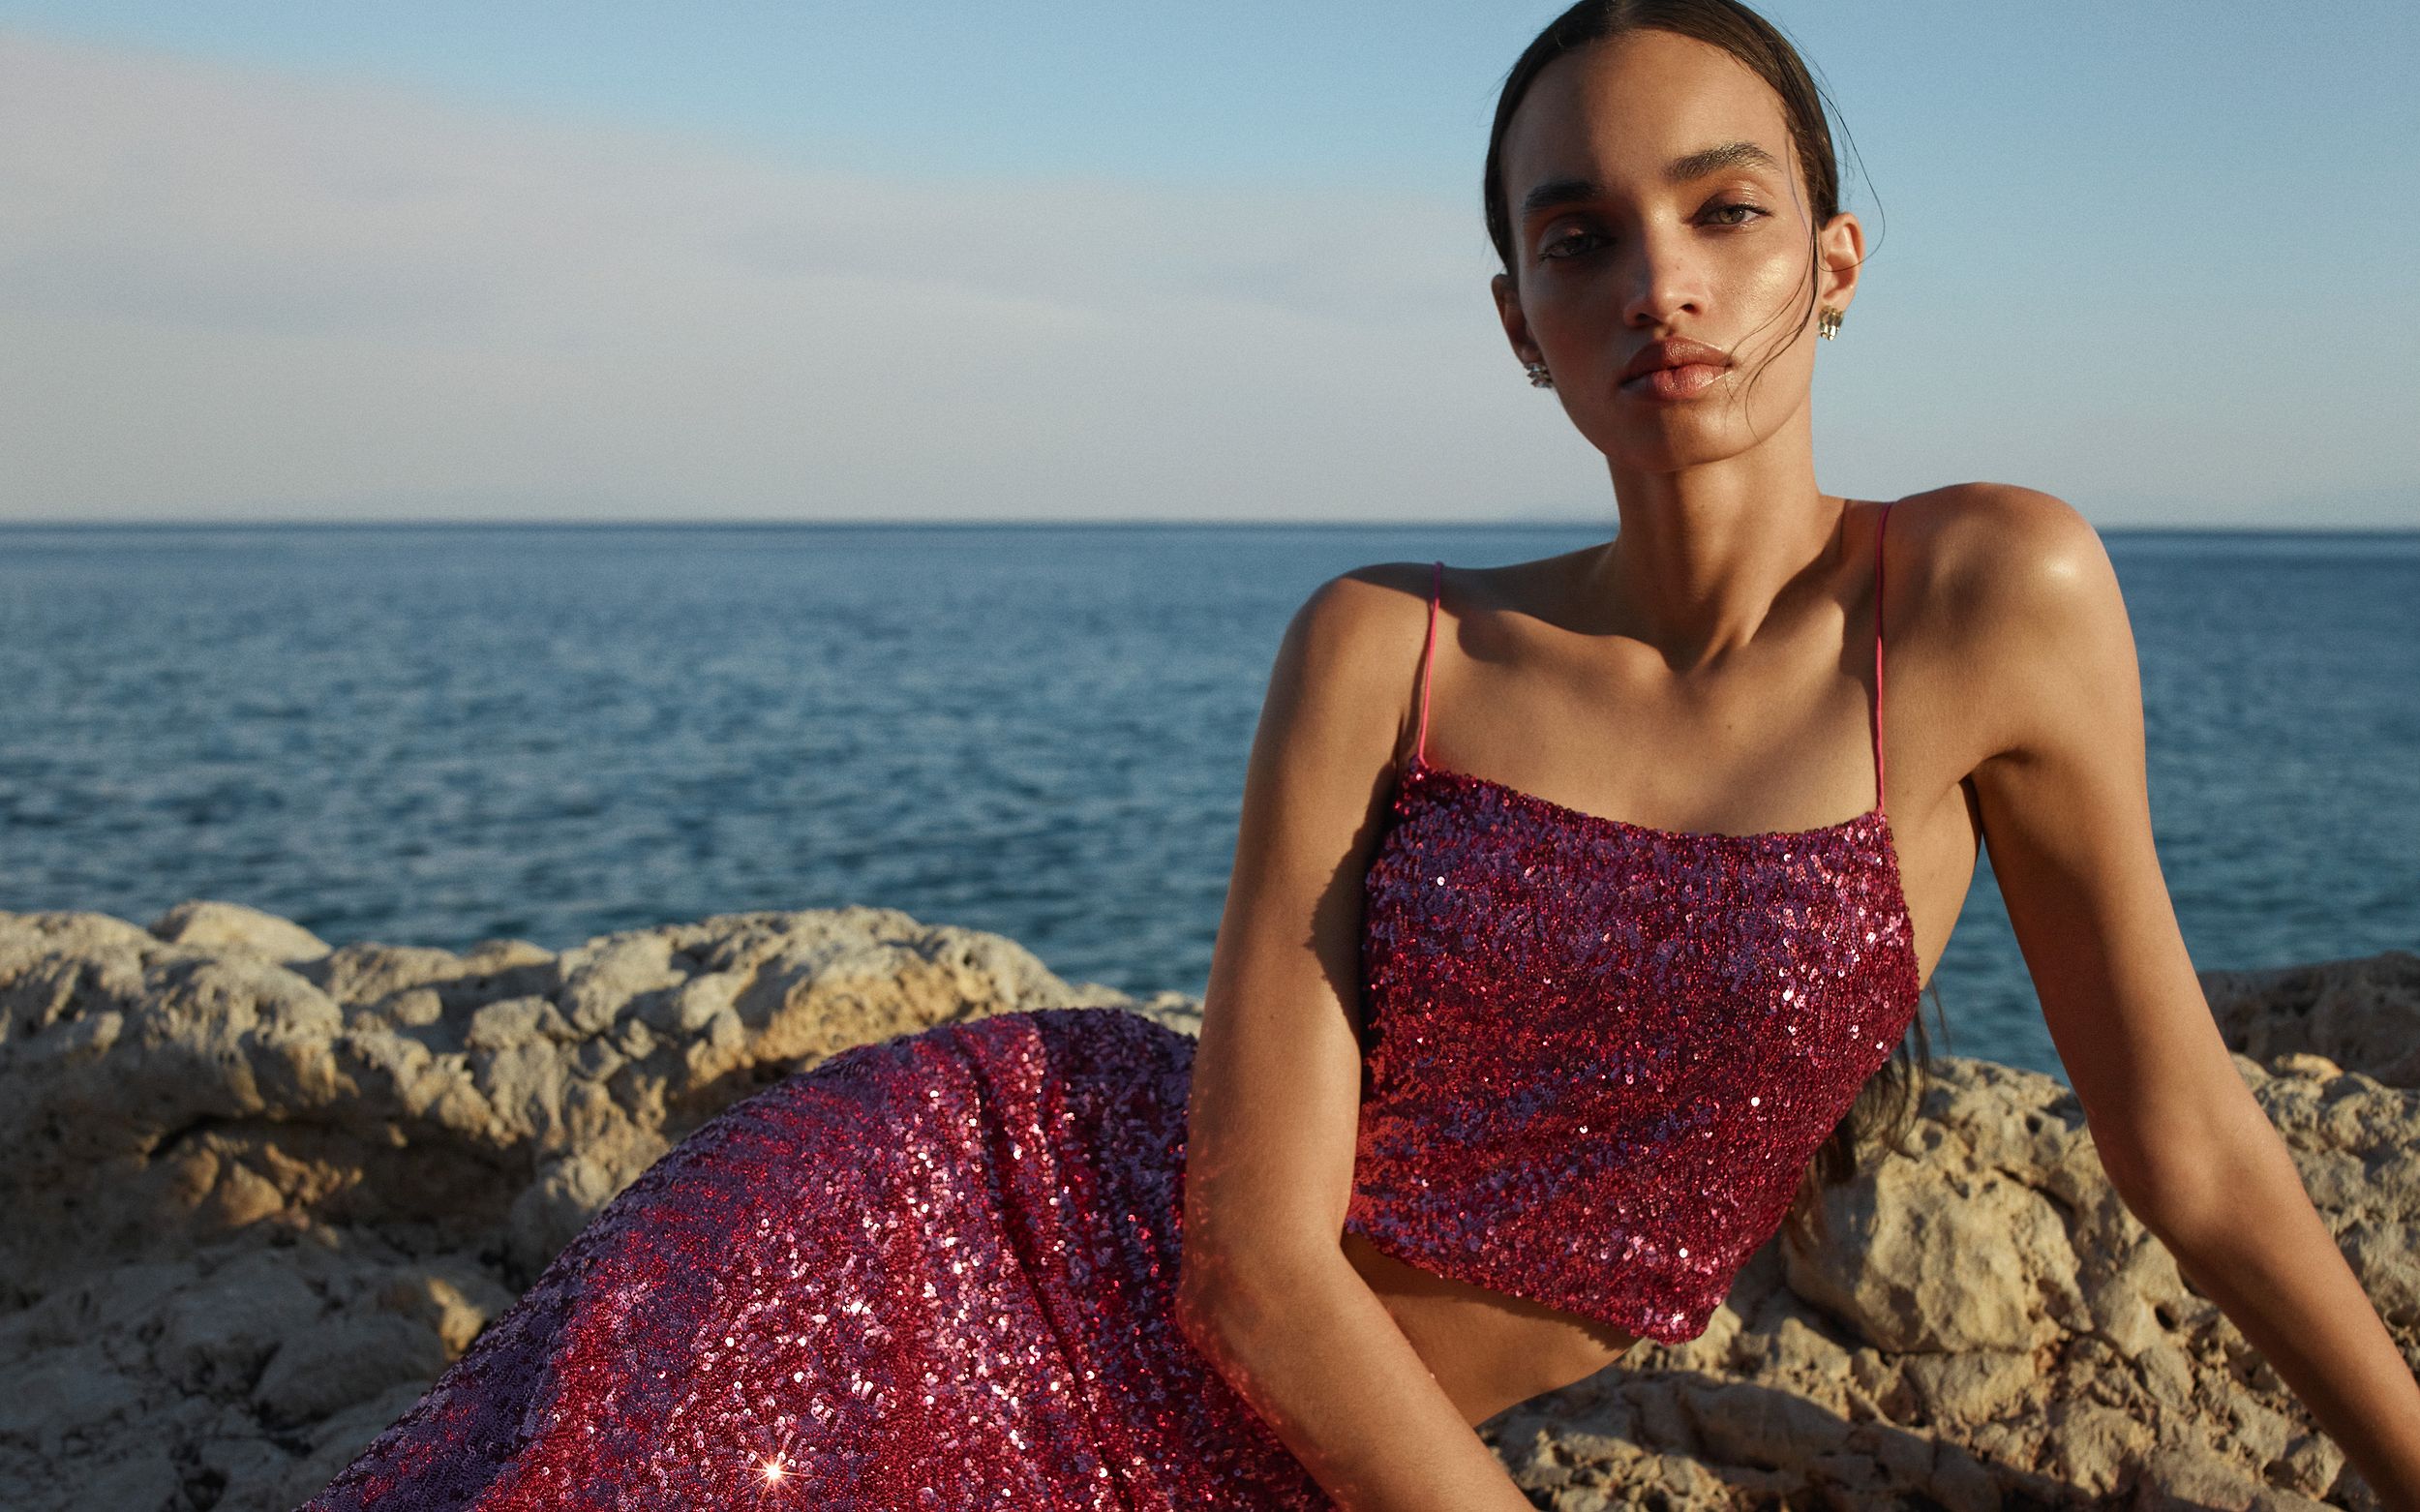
{"x": 934, "y": 1272}
{"x": 1585, "y": 1083}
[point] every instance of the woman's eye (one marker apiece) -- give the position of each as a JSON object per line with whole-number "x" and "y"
{"x": 1723, "y": 210}
{"x": 1569, "y": 244}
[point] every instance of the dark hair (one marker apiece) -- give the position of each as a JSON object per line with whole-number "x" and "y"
{"x": 1722, "y": 23}
{"x": 1884, "y": 1108}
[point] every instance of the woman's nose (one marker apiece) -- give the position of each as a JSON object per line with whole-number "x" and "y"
{"x": 1664, "y": 281}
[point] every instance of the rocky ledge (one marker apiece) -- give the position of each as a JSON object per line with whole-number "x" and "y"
{"x": 263, "y": 1191}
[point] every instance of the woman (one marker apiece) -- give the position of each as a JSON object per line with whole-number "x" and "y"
{"x": 1491, "y": 1083}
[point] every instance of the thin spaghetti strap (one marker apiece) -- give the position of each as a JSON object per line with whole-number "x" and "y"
{"x": 1881, "y": 521}
{"x": 1428, "y": 653}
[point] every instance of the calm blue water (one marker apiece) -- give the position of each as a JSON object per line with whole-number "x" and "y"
{"x": 439, "y": 733}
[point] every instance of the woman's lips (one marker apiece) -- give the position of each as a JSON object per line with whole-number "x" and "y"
{"x": 1686, "y": 382}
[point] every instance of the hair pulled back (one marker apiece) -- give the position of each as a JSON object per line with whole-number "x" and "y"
{"x": 1722, "y": 23}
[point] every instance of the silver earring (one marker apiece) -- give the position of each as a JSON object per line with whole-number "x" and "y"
{"x": 1539, "y": 377}
{"x": 1827, "y": 322}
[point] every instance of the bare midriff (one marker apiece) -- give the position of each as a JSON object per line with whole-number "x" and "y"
{"x": 1487, "y": 1349}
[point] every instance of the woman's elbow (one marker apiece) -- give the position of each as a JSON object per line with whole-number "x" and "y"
{"x": 1220, "y": 1294}
{"x": 1219, "y": 1320}
{"x": 2187, "y": 1189}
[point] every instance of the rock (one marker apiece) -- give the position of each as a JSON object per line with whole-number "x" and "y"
{"x": 215, "y": 1339}
{"x": 2363, "y": 1012}
{"x": 264, "y": 1190}
{"x": 319, "y": 1372}
{"x": 453, "y": 1300}
{"x": 1945, "y": 1256}
{"x": 231, "y": 928}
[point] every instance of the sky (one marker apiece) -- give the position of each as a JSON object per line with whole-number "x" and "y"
{"x": 1078, "y": 260}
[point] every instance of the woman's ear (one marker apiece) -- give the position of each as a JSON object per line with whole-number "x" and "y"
{"x": 1515, "y": 325}
{"x": 1841, "y": 245}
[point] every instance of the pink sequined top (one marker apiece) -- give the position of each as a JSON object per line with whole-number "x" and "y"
{"x": 1601, "y": 1055}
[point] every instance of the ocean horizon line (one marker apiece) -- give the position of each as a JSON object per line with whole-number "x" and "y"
{"x": 1036, "y": 522}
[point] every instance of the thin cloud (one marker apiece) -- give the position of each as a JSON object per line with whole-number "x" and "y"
{"x": 229, "y": 292}
{"x": 237, "y": 292}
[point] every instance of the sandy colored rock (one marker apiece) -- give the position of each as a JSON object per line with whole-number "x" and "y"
{"x": 2363, "y": 1013}
{"x": 264, "y": 1190}
{"x": 231, "y": 928}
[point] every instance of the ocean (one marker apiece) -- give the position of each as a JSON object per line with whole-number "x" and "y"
{"x": 437, "y": 734}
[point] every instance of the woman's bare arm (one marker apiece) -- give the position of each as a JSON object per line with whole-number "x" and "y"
{"x": 1267, "y": 1293}
{"x": 2065, "y": 813}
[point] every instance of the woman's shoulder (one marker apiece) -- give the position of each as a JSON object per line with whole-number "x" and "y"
{"x": 1370, "y": 603}
{"x": 2001, "y": 532}
{"x": 1369, "y": 613}
{"x": 1352, "y": 634}
{"x": 1993, "y": 557}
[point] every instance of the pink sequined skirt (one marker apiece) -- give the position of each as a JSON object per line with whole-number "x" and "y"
{"x": 933, "y": 1272}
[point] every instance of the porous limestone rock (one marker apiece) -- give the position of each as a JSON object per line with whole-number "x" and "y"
{"x": 262, "y": 1190}
{"x": 2364, "y": 1014}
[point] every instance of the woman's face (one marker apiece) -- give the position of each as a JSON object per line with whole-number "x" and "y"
{"x": 1654, "y": 193}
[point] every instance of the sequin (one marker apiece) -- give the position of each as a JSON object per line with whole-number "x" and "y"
{"x": 1584, "y": 1079}
{"x": 933, "y": 1272}
{"x": 1466, "y": 1163}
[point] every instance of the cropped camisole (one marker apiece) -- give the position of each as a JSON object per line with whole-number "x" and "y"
{"x": 1600, "y": 1056}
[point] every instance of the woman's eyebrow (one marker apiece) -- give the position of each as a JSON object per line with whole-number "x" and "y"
{"x": 1716, "y": 158}
{"x": 1556, "y": 191}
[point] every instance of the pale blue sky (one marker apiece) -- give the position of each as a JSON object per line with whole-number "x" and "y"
{"x": 725, "y": 260}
